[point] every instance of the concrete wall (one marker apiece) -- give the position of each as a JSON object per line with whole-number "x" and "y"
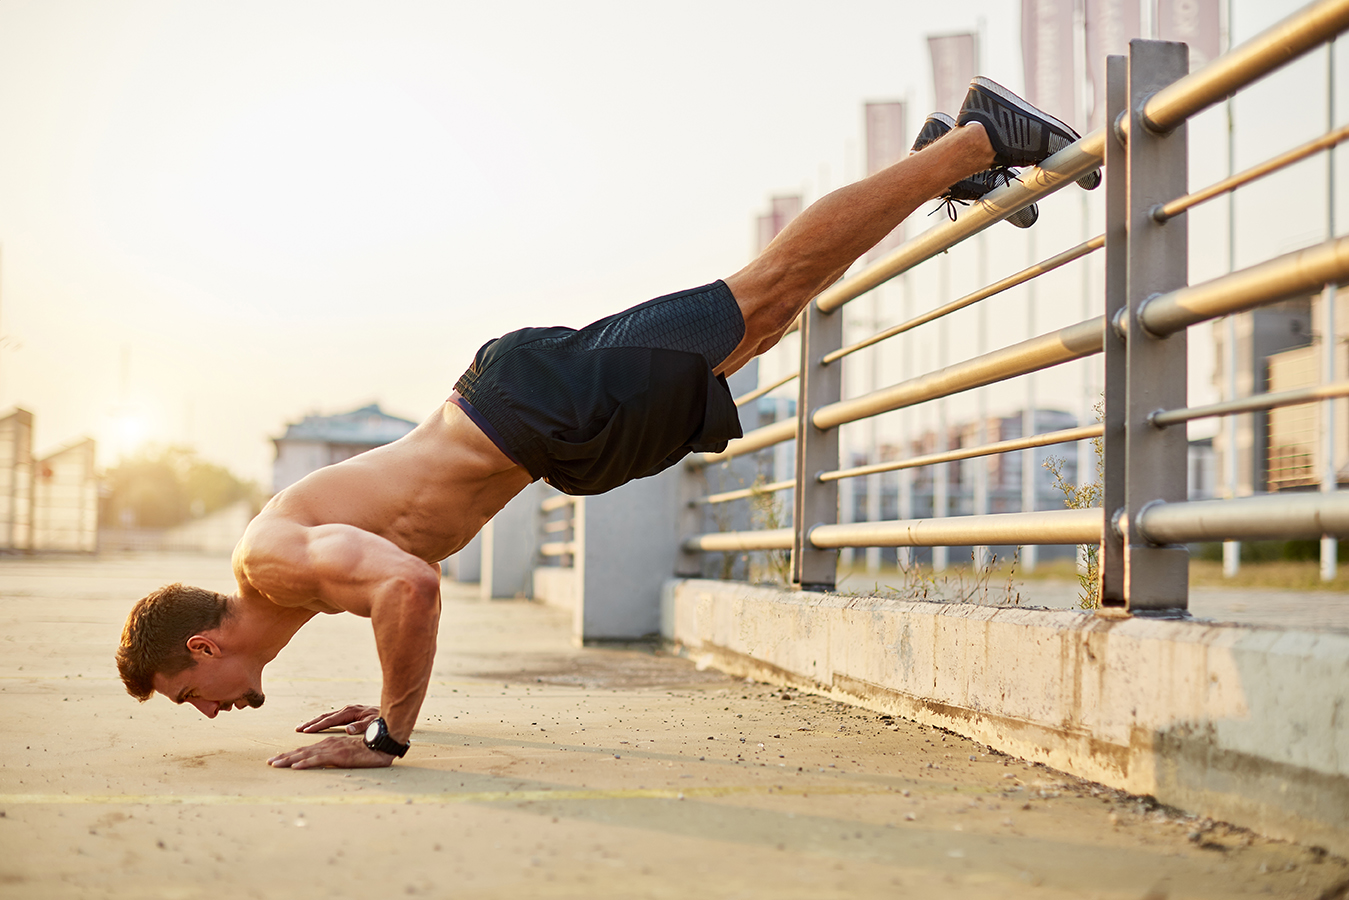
{"x": 1246, "y": 724}
{"x": 509, "y": 543}
{"x": 628, "y": 542}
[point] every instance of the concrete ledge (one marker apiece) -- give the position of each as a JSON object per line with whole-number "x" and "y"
{"x": 1245, "y": 724}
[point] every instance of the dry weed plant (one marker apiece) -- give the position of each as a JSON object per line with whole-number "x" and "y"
{"x": 767, "y": 514}
{"x": 1085, "y": 496}
{"x": 960, "y": 585}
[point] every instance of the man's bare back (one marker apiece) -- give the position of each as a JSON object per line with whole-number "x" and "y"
{"x": 427, "y": 493}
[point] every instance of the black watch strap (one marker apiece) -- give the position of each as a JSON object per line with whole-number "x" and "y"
{"x": 377, "y": 738}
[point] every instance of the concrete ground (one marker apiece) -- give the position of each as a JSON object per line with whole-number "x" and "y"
{"x": 541, "y": 770}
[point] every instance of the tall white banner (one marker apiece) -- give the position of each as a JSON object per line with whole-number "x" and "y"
{"x": 954, "y": 58}
{"x": 887, "y": 143}
{"x": 784, "y": 210}
{"x": 1047, "y": 36}
{"x": 1193, "y": 21}
{"x": 1111, "y": 24}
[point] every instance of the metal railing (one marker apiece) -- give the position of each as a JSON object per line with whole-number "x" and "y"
{"x": 1147, "y": 308}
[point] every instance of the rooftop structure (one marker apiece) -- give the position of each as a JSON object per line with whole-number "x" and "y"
{"x": 318, "y": 441}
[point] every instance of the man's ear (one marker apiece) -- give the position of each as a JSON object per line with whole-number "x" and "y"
{"x": 200, "y": 645}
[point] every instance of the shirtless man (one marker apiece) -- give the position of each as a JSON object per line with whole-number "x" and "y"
{"x": 587, "y": 410}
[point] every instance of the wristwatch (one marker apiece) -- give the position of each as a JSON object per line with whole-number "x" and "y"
{"x": 377, "y": 738}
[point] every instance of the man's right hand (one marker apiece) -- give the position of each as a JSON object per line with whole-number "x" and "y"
{"x": 356, "y": 718}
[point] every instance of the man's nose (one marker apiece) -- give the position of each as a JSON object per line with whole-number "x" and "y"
{"x": 208, "y": 708}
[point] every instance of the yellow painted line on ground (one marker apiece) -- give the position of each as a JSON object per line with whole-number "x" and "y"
{"x": 363, "y": 799}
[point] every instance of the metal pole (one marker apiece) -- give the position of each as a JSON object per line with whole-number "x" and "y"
{"x": 1116, "y": 300}
{"x": 816, "y": 449}
{"x": 905, "y": 557}
{"x": 1330, "y": 340}
{"x": 1231, "y": 549}
{"x": 940, "y": 473}
{"x": 1029, "y": 552}
{"x": 873, "y": 554}
{"x": 981, "y": 553}
{"x": 1156, "y": 576}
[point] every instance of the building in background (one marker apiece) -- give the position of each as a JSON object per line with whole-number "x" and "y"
{"x": 1273, "y": 347}
{"x": 1295, "y": 448}
{"x": 48, "y": 503}
{"x": 65, "y": 494}
{"x": 16, "y": 481}
{"x": 318, "y": 441}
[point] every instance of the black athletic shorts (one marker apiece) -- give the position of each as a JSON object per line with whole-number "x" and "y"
{"x": 622, "y": 398}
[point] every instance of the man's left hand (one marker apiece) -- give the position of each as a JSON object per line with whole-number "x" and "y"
{"x": 341, "y": 751}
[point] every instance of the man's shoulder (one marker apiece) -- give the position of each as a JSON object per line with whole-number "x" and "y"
{"x": 270, "y": 561}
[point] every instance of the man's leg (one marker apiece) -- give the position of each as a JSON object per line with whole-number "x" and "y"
{"x": 820, "y": 244}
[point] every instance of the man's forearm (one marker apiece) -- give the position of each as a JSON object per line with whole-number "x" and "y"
{"x": 405, "y": 636}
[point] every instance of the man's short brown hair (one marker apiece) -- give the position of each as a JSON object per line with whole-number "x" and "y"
{"x": 154, "y": 640}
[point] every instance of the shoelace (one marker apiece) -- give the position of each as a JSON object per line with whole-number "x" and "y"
{"x": 949, "y": 203}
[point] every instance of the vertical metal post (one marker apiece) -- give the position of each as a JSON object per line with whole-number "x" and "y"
{"x": 980, "y": 466}
{"x": 873, "y": 554}
{"x": 1155, "y": 576}
{"x": 1331, "y": 339}
{"x": 816, "y": 450}
{"x": 1116, "y": 259}
{"x": 941, "y": 473}
{"x": 1231, "y": 424}
{"x": 1029, "y": 552}
{"x": 904, "y": 556}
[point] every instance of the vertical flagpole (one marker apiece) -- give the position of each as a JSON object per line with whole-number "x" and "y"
{"x": 1330, "y": 339}
{"x": 1086, "y": 451}
{"x": 940, "y": 479}
{"x": 1029, "y": 552}
{"x": 1231, "y": 549}
{"x": 981, "y": 555}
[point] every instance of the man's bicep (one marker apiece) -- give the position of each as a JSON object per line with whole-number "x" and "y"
{"x": 339, "y": 566}
{"x": 350, "y": 566}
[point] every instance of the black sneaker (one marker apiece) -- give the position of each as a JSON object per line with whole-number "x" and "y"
{"x": 1021, "y": 135}
{"x": 967, "y": 190}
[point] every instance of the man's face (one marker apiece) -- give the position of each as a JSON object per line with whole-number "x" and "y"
{"x": 214, "y": 685}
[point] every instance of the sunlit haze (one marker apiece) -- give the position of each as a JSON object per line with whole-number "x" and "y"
{"x": 218, "y": 217}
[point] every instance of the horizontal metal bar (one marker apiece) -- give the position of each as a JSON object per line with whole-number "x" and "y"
{"x": 1164, "y": 211}
{"x": 1267, "y": 517}
{"x": 555, "y": 503}
{"x": 1073, "y": 342}
{"x": 997, "y": 287}
{"x": 559, "y": 525}
{"x": 1055, "y": 173}
{"x": 757, "y": 439}
{"x": 1059, "y": 526}
{"x": 743, "y": 493}
{"x": 1269, "y": 50}
{"x": 731, "y": 541}
{"x": 557, "y": 548}
{"x": 1294, "y": 274}
{"x": 759, "y": 392}
{"x": 1066, "y": 436}
{"x": 1251, "y": 404}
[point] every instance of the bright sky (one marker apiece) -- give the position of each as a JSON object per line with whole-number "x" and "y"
{"x": 216, "y": 218}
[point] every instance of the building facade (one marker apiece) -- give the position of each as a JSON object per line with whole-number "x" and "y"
{"x": 318, "y": 441}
